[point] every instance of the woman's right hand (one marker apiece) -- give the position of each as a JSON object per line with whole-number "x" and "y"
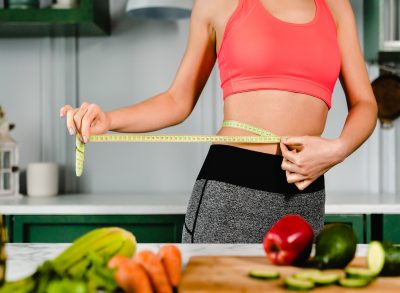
{"x": 86, "y": 120}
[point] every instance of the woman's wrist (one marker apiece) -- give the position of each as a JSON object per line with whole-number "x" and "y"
{"x": 340, "y": 150}
{"x": 109, "y": 121}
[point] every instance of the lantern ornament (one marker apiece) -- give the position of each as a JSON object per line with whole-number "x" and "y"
{"x": 9, "y": 171}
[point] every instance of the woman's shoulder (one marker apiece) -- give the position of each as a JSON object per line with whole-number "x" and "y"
{"x": 213, "y": 10}
{"x": 214, "y": 13}
{"x": 340, "y": 10}
{"x": 210, "y": 7}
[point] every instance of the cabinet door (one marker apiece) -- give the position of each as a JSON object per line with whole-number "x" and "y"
{"x": 64, "y": 229}
{"x": 371, "y": 29}
{"x": 391, "y": 228}
{"x": 357, "y": 222}
{"x": 8, "y": 225}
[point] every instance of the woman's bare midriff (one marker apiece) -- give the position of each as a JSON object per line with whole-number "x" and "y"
{"x": 282, "y": 112}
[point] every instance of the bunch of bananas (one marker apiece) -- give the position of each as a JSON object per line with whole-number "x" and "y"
{"x": 75, "y": 262}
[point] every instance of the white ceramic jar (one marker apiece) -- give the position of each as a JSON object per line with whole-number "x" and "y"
{"x": 42, "y": 179}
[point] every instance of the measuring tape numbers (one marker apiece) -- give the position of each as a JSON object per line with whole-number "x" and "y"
{"x": 264, "y": 137}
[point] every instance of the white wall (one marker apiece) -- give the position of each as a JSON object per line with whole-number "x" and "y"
{"x": 139, "y": 60}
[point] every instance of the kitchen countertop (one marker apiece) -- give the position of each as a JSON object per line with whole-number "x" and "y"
{"x": 172, "y": 203}
{"x": 22, "y": 259}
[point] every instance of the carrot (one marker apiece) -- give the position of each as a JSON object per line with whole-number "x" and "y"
{"x": 130, "y": 276}
{"x": 153, "y": 266}
{"x": 117, "y": 261}
{"x": 171, "y": 259}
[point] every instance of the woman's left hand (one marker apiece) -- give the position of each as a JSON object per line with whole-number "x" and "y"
{"x": 305, "y": 158}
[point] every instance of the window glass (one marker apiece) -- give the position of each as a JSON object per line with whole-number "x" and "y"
{"x": 6, "y": 182}
{"x": 7, "y": 160}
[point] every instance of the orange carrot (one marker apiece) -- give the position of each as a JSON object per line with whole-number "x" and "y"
{"x": 171, "y": 259}
{"x": 117, "y": 261}
{"x": 130, "y": 276}
{"x": 122, "y": 277}
{"x": 153, "y": 266}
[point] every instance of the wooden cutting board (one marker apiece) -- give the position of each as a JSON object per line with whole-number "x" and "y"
{"x": 229, "y": 274}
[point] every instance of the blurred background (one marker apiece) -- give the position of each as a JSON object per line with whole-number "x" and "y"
{"x": 118, "y": 60}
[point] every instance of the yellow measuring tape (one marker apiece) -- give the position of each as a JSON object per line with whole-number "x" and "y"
{"x": 263, "y": 137}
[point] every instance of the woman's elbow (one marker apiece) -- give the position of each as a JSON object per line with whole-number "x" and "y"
{"x": 374, "y": 108}
{"x": 371, "y": 107}
{"x": 367, "y": 104}
{"x": 183, "y": 106}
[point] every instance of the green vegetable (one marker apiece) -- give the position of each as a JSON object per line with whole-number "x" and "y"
{"x": 293, "y": 283}
{"x": 264, "y": 274}
{"x": 325, "y": 279}
{"x": 319, "y": 278}
{"x": 84, "y": 262}
{"x": 44, "y": 275}
{"x": 99, "y": 275}
{"x": 384, "y": 259}
{"x": 26, "y": 285}
{"x": 307, "y": 274}
{"x": 359, "y": 273}
{"x": 104, "y": 241}
{"x": 335, "y": 246}
{"x": 353, "y": 282}
{"x": 67, "y": 286}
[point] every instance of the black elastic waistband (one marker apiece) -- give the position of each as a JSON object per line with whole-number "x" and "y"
{"x": 250, "y": 169}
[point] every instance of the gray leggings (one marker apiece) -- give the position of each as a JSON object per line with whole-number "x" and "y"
{"x": 238, "y": 200}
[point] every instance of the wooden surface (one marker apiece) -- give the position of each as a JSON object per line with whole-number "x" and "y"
{"x": 229, "y": 274}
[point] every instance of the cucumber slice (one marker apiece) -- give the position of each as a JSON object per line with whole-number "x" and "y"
{"x": 353, "y": 282}
{"x": 318, "y": 277}
{"x": 384, "y": 259}
{"x": 325, "y": 279}
{"x": 376, "y": 257}
{"x": 264, "y": 274}
{"x": 307, "y": 274}
{"x": 359, "y": 273}
{"x": 293, "y": 283}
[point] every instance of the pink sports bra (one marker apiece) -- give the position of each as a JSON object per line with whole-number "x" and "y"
{"x": 260, "y": 51}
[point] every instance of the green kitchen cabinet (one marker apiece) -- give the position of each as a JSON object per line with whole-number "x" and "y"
{"x": 375, "y": 48}
{"x": 391, "y": 228}
{"x": 64, "y": 229}
{"x": 166, "y": 228}
{"x": 90, "y": 18}
{"x": 8, "y": 224}
{"x": 371, "y": 30}
{"x": 357, "y": 222}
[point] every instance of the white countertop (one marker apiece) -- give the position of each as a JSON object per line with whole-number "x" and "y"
{"x": 23, "y": 259}
{"x": 172, "y": 203}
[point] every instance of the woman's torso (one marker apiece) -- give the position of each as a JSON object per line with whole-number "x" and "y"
{"x": 279, "y": 111}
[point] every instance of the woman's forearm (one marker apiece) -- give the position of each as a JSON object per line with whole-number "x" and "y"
{"x": 359, "y": 125}
{"x": 152, "y": 114}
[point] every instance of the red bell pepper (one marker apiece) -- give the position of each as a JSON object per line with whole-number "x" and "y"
{"x": 289, "y": 241}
